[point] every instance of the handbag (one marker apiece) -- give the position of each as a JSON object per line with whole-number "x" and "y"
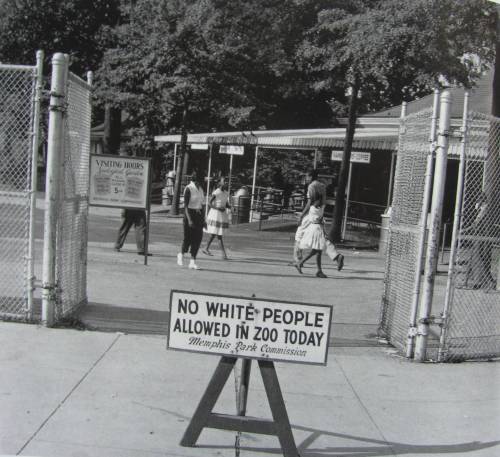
{"x": 330, "y": 250}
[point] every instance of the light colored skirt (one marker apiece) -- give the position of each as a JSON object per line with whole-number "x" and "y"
{"x": 217, "y": 222}
{"x": 313, "y": 237}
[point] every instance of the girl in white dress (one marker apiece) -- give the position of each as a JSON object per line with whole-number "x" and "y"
{"x": 217, "y": 218}
{"x": 313, "y": 237}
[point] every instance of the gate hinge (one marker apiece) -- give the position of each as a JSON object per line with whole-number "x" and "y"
{"x": 432, "y": 320}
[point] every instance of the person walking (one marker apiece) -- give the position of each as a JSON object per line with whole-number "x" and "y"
{"x": 193, "y": 221}
{"x": 310, "y": 225}
{"x": 136, "y": 218}
{"x": 217, "y": 218}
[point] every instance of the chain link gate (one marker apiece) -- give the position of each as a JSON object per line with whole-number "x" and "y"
{"x": 403, "y": 250}
{"x": 72, "y": 225}
{"x": 472, "y": 310}
{"x": 20, "y": 88}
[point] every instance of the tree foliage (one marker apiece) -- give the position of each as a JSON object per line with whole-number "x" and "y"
{"x": 70, "y": 26}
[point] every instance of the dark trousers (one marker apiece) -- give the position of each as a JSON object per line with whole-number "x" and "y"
{"x": 193, "y": 235}
{"x": 137, "y": 218}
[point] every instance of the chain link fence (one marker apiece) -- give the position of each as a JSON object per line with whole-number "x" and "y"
{"x": 18, "y": 87}
{"x": 404, "y": 232}
{"x": 72, "y": 212}
{"x": 472, "y": 329}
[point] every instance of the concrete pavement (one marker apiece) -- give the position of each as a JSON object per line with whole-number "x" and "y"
{"x": 119, "y": 392}
{"x": 79, "y": 393}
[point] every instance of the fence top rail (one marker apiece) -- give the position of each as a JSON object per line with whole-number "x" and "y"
{"x": 77, "y": 80}
{"x": 26, "y": 68}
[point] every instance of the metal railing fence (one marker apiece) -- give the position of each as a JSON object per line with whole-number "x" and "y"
{"x": 472, "y": 324}
{"x": 72, "y": 220}
{"x": 20, "y": 88}
{"x": 404, "y": 233}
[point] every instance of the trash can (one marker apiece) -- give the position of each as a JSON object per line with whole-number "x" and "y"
{"x": 384, "y": 231}
{"x": 241, "y": 206}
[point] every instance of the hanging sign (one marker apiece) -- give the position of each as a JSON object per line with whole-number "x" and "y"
{"x": 247, "y": 327}
{"x": 119, "y": 181}
{"x": 356, "y": 156}
{"x": 232, "y": 150}
{"x": 199, "y": 146}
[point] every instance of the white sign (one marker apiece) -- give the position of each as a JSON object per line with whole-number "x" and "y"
{"x": 200, "y": 146}
{"x": 251, "y": 328}
{"x": 356, "y": 156}
{"x": 119, "y": 181}
{"x": 233, "y": 150}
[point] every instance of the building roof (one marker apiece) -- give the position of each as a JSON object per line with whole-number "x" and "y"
{"x": 370, "y": 138}
{"x": 480, "y": 100}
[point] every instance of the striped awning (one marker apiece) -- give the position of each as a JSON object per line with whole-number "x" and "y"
{"x": 368, "y": 138}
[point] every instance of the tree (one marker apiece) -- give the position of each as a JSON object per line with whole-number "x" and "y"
{"x": 71, "y": 26}
{"x": 376, "y": 48}
{"x": 197, "y": 65}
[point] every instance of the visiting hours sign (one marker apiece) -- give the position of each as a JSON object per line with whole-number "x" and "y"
{"x": 250, "y": 328}
{"x": 119, "y": 181}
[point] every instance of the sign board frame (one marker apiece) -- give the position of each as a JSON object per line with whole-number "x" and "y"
{"x": 356, "y": 156}
{"x": 231, "y": 149}
{"x": 145, "y": 199}
{"x": 269, "y": 357}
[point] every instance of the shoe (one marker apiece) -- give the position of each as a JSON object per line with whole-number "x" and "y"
{"x": 142, "y": 253}
{"x": 206, "y": 252}
{"x": 193, "y": 266}
{"x": 117, "y": 249}
{"x": 320, "y": 274}
{"x": 298, "y": 266}
{"x": 179, "y": 259}
{"x": 225, "y": 257}
{"x": 340, "y": 262}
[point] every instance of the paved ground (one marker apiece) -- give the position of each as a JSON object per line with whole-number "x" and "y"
{"x": 65, "y": 392}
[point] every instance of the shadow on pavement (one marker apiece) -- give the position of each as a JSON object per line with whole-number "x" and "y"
{"x": 110, "y": 318}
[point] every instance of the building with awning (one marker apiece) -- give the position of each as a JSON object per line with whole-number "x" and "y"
{"x": 376, "y": 133}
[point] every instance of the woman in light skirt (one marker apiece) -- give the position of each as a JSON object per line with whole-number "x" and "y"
{"x": 312, "y": 237}
{"x": 217, "y": 218}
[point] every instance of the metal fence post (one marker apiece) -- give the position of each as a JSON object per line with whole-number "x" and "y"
{"x": 52, "y": 184}
{"x": 435, "y": 223}
{"x": 456, "y": 225}
{"x": 412, "y": 329}
{"x": 34, "y": 179}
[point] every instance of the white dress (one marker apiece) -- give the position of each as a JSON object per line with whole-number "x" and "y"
{"x": 217, "y": 220}
{"x": 313, "y": 235}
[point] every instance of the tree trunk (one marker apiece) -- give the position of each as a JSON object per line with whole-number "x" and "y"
{"x": 112, "y": 130}
{"x": 174, "y": 210}
{"x": 338, "y": 211}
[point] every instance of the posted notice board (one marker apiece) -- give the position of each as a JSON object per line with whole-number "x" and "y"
{"x": 250, "y": 328}
{"x": 119, "y": 181}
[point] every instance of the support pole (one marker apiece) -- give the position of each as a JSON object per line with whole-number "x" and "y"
{"x": 412, "y": 328}
{"x": 148, "y": 214}
{"x": 315, "y": 162}
{"x": 456, "y": 226}
{"x": 52, "y": 184}
{"x": 253, "y": 182}
{"x": 208, "y": 177}
{"x": 435, "y": 224}
{"x": 391, "y": 179}
{"x": 34, "y": 179}
{"x": 348, "y": 194}
{"x": 176, "y": 145}
{"x": 230, "y": 174}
